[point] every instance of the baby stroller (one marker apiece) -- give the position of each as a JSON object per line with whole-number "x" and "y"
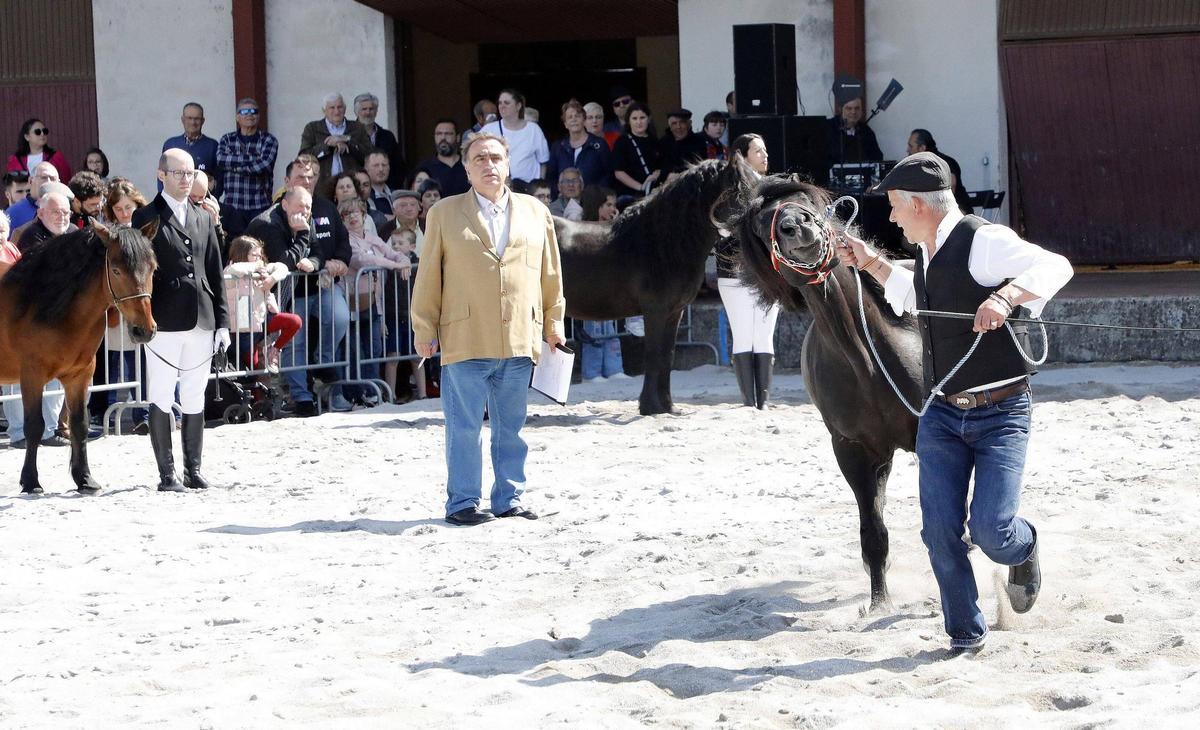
{"x": 239, "y": 399}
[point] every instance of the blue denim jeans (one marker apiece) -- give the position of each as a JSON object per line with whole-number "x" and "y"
{"x": 330, "y": 305}
{"x": 951, "y": 443}
{"x": 601, "y": 357}
{"x": 122, "y": 368}
{"x": 14, "y": 411}
{"x": 467, "y": 387}
{"x": 369, "y": 328}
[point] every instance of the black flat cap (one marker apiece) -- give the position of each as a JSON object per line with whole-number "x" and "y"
{"x": 923, "y": 172}
{"x": 680, "y": 113}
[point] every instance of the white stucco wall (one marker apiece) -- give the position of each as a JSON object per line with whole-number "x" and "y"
{"x": 946, "y": 56}
{"x": 706, "y": 48}
{"x": 145, "y": 73}
{"x": 347, "y": 48}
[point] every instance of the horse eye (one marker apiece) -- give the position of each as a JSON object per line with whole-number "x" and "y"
{"x": 116, "y": 271}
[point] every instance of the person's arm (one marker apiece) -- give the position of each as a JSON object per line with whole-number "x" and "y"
{"x": 998, "y": 253}
{"x": 425, "y": 311}
{"x": 897, "y": 281}
{"x": 212, "y": 271}
{"x": 312, "y": 141}
{"x": 241, "y": 269}
{"x": 262, "y": 163}
{"x": 360, "y": 143}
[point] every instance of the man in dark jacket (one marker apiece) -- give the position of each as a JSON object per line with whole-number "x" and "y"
{"x": 850, "y": 139}
{"x": 189, "y": 307}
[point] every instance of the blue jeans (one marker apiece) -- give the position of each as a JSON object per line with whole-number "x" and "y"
{"x": 14, "y": 411}
{"x": 951, "y": 442}
{"x": 122, "y": 368}
{"x": 467, "y": 387}
{"x": 370, "y": 344}
{"x": 601, "y": 357}
{"x": 330, "y": 305}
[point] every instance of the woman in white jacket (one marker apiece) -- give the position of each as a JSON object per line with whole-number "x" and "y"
{"x": 254, "y": 313}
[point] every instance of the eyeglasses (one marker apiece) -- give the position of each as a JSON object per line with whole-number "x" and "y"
{"x": 41, "y": 132}
{"x": 181, "y": 174}
{"x": 622, "y": 102}
{"x": 247, "y": 112}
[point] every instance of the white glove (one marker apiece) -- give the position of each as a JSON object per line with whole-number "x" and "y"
{"x": 221, "y": 339}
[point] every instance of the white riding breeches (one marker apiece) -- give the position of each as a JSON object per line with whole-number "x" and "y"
{"x": 753, "y": 327}
{"x": 192, "y": 351}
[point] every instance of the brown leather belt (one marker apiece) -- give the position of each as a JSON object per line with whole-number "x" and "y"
{"x": 968, "y": 400}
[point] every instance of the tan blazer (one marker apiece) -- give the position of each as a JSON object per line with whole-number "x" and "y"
{"x": 476, "y": 304}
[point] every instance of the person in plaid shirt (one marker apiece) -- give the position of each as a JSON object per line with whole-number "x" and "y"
{"x": 247, "y": 161}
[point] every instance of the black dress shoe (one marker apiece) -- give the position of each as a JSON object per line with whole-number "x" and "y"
{"x": 519, "y": 512}
{"x": 469, "y": 517}
{"x": 1025, "y": 581}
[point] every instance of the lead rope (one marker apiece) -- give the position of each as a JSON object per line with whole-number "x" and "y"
{"x": 862, "y": 313}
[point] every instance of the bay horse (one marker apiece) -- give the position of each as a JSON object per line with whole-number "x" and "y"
{"x": 53, "y": 305}
{"x": 650, "y": 261}
{"x": 788, "y": 256}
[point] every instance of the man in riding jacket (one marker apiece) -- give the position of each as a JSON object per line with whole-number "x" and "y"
{"x": 980, "y": 419}
{"x": 189, "y": 307}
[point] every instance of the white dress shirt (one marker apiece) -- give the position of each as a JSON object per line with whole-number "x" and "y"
{"x": 336, "y": 165}
{"x": 496, "y": 216}
{"x": 997, "y": 254}
{"x": 178, "y": 208}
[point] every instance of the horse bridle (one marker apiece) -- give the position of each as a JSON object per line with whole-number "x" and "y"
{"x": 817, "y": 270}
{"x": 112, "y": 292}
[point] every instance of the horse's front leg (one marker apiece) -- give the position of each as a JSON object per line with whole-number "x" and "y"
{"x": 867, "y": 475}
{"x": 76, "y": 391}
{"x": 31, "y": 401}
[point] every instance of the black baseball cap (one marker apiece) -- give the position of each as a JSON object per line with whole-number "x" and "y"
{"x": 923, "y": 172}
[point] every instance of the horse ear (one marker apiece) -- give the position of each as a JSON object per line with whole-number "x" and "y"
{"x": 102, "y": 232}
{"x": 150, "y": 230}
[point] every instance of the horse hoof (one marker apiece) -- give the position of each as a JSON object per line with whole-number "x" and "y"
{"x": 89, "y": 489}
{"x": 35, "y": 489}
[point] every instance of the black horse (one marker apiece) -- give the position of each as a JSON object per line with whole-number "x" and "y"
{"x": 788, "y": 256}
{"x": 649, "y": 262}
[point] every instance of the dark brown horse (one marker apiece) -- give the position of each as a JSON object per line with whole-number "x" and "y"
{"x": 649, "y": 262}
{"x": 52, "y": 317}
{"x": 788, "y": 256}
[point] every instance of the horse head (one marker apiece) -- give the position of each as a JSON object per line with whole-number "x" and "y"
{"x": 129, "y": 266}
{"x": 786, "y": 240}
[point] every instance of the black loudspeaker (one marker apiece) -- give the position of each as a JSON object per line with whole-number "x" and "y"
{"x": 764, "y": 68}
{"x": 794, "y": 144}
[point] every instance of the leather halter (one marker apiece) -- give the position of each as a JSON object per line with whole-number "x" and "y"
{"x": 111, "y": 292}
{"x": 818, "y": 270}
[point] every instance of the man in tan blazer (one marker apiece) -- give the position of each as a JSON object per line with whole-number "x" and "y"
{"x": 488, "y": 291}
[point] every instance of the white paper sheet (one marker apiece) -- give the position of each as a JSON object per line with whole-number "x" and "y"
{"x": 552, "y": 374}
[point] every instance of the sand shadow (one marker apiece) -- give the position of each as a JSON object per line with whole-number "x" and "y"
{"x": 375, "y": 527}
{"x": 684, "y": 681}
{"x": 746, "y": 614}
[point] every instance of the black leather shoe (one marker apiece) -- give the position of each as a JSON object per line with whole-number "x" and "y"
{"x": 469, "y": 517}
{"x": 1025, "y": 581}
{"x": 305, "y": 409}
{"x": 519, "y": 512}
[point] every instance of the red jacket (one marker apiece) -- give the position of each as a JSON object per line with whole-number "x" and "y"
{"x": 17, "y": 164}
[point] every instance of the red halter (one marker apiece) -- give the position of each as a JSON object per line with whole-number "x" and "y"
{"x": 817, "y": 271}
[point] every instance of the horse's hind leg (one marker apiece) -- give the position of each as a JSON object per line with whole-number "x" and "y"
{"x": 660, "y": 358}
{"x": 867, "y": 476}
{"x": 76, "y": 390}
{"x": 31, "y": 400}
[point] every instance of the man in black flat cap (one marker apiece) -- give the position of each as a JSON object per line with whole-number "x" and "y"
{"x": 980, "y": 419}
{"x": 680, "y": 146}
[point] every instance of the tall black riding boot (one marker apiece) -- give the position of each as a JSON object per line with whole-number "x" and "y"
{"x": 763, "y": 365}
{"x": 193, "y": 445}
{"x": 162, "y": 425}
{"x": 743, "y": 370}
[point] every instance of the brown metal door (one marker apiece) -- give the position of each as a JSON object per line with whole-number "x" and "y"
{"x": 48, "y": 71}
{"x": 1105, "y": 144}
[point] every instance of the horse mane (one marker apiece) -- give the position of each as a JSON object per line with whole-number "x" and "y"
{"x": 52, "y": 273}
{"x": 662, "y": 230}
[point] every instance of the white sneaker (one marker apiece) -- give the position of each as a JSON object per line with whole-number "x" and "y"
{"x": 597, "y": 379}
{"x": 338, "y": 402}
{"x": 618, "y": 376}
{"x": 636, "y": 326}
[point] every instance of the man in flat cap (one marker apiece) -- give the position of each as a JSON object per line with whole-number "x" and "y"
{"x": 980, "y": 419}
{"x": 680, "y": 145}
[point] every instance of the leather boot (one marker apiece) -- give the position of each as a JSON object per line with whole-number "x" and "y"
{"x": 763, "y": 365}
{"x": 743, "y": 370}
{"x": 193, "y": 445}
{"x": 162, "y": 425}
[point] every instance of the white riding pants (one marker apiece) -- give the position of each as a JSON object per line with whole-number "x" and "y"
{"x": 753, "y": 327}
{"x": 192, "y": 351}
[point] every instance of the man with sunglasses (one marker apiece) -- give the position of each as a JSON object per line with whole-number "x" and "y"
{"x": 246, "y": 160}
{"x": 620, "y": 100}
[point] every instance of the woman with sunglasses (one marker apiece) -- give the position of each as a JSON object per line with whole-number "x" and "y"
{"x": 33, "y": 147}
